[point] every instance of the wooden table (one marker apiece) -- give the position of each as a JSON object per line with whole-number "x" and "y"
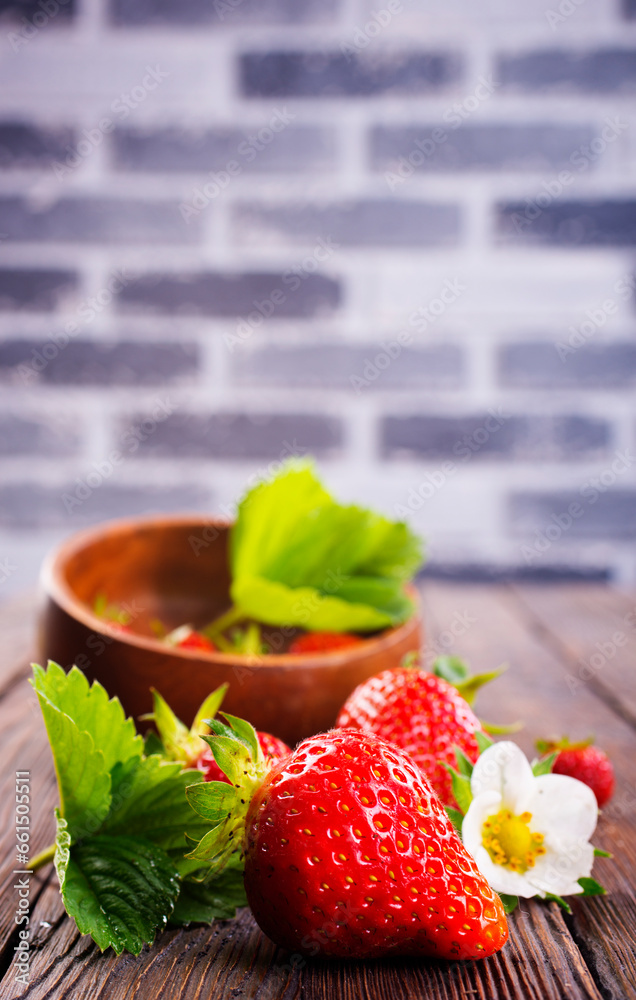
{"x": 572, "y": 656}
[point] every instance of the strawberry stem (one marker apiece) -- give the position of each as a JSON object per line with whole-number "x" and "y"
{"x": 216, "y": 628}
{"x": 41, "y": 859}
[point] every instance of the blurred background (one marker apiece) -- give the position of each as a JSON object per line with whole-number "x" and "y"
{"x": 397, "y": 235}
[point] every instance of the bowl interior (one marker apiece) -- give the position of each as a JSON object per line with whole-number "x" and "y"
{"x": 174, "y": 572}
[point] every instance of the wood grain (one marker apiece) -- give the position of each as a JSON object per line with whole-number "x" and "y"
{"x": 590, "y": 955}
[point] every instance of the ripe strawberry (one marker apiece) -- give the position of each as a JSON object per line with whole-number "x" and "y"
{"x": 583, "y": 761}
{"x": 323, "y": 642}
{"x": 349, "y": 854}
{"x": 274, "y": 750}
{"x": 421, "y": 713}
{"x": 196, "y": 640}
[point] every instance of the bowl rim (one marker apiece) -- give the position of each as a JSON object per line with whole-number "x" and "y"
{"x": 53, "y": 584}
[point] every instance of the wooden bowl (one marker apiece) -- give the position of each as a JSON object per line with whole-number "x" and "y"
{"x": 175, "y": 569}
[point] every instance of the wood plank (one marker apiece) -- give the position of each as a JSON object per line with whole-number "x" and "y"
{"x": 17, "y": 628}
{"x": 594, "y": 629}
{"x": 535, "y": 688}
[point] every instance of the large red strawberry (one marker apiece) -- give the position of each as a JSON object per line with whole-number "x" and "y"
{"x": 421, "y": 713}
{"x": 323, "y": 642}
{"x": 583, "y": 761}
{"x": 348, "y": 851}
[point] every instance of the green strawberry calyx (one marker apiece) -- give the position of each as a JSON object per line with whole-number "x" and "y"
{"x": 176, "y": 741}
{"x": 238, "y": 753}
{"x": 554, "y": 746}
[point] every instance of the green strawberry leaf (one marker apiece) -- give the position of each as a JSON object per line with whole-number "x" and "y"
{"x": 283, "y": 566}
{"x": 591, "y": 887}
{"x": 153, "y": 745}
{"x": 455, "y": 817}
{"x": 212, "y": 800}
{"x": 461, "y": 789}
{"x": 83, "y": 780}
{"x": 563, "y": 903}
{"x": 465, "y": 766}
{"x": 483, "y": 741}
{"x": 91, "y": 710}
{"x": 216, "y": 900}
{"x": 451, "y": 669}
{"x": 149, "y": 801}
{"x": 118, "y": 889}
{"x": 600, "y": 853}
{"x": 544, "y": 766}
{"x": 510, "y": 903}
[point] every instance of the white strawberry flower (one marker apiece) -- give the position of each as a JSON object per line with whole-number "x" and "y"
{"x": 528, "y": 835}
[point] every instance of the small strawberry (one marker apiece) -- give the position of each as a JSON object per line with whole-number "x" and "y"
{"x": 187, "y": 637}
{"x": 196, "y": 640}
{"x": 274, "y": 750}
{"x": 323, "y": 642}
{"x": 421, "y": 713}
{"x": 348, "y": 851}
{"x": 583, "y": 761}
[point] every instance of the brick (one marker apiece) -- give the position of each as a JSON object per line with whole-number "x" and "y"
{"x": 477, "y": 147}
{"x": 221, "y": 12}
{"x": 97, "y": 220}
{"x": 255, "y": 149}
{"x": 33, "y": 289}
{"x": 333, "y": 366}
{"x": 378, "y": 222}
{"x": 338, "y": 74}
{"x": 17, "y": 10}
{"x": 492, "y": 573}
{"x": 31, "y": 505}
{"x": 85, "y": 362}
{"x": 211, "y": 294}
{"x": 611, "y": 515}
{"x": 240, "y": 436}
{"x": 604, "y": 70}
{"x": 495, "y": 436}
{"x": 23, "y": 145}
{"x": 591, "y": 366}
{"x": 569, "y": 224}
{"x": 22, "y": 436}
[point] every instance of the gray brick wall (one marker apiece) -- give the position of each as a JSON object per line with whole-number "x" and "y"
{"x": 398, "y": 235}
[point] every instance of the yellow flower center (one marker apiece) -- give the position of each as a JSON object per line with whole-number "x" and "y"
{"x": 510, "y": 841}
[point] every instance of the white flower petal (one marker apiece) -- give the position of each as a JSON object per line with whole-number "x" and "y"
{"x": 503, "y": 879}
{"x": 558, "y": 871}
{"x": 479, "y": 810}
{"x": 562, "y": 807}
{"x": 503, "y": 768}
